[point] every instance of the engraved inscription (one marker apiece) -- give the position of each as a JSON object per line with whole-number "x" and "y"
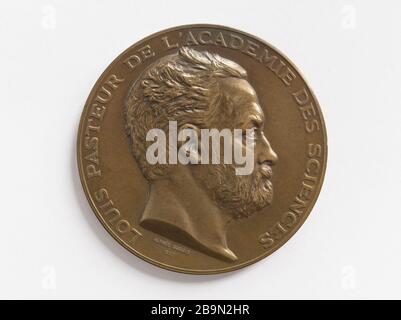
{"x": 143, "y": 54}
{"x": 236, "y": 42}
{"x": 171, "y": 245}
{"x": 113, "y": 216}
{"x": 92, "y": 128}
{"x": 307, "y": 110}
{"x": 298, "y": 207}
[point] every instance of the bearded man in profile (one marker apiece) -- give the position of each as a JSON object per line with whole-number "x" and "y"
{"x": 193, "y": 204}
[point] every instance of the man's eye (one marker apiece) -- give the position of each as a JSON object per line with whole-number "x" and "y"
{"x": 251, "y": 133}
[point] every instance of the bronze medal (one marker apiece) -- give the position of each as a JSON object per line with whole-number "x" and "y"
{"x": 202, "y": 149}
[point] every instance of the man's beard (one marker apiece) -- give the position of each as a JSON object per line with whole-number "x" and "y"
{"x": 241, "y": 195}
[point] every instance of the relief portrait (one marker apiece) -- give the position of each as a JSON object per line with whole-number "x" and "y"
{"x": 194, "y": 204}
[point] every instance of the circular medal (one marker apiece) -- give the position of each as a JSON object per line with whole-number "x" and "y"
{"x": 202, "y": 149}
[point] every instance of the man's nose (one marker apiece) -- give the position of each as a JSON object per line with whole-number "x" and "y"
{"x": 266, "y": 153}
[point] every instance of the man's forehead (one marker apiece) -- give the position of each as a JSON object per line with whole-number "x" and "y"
{"x": 243, "y": 95}
{"x": 239, "y": 89}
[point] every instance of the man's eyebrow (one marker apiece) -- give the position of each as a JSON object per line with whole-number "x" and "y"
{"x": 257, "y": 120}
{"x": 253, "y": 120}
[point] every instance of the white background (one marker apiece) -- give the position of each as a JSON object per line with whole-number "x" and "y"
{"x": 51, "y": 244}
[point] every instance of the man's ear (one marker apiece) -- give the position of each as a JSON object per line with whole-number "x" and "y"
{"x": 189, "y": 144}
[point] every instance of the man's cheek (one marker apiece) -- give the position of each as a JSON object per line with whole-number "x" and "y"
{"x": 243, "y": 154}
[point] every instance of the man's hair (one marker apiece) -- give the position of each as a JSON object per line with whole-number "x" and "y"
{"x": 182, "y": 87}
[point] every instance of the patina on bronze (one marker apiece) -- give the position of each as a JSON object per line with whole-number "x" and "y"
{"x": 197, "y": 217}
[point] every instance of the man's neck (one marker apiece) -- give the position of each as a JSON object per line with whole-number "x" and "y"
{"x": 179, "y": 209}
